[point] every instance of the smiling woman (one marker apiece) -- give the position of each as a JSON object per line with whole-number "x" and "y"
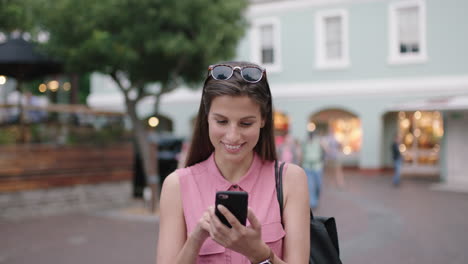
{"x": 233, "y": 149}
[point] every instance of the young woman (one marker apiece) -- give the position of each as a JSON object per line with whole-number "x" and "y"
{"x": 233, "y": 148}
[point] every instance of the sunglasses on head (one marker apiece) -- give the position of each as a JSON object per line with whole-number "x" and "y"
{"x": 251, "y": 74}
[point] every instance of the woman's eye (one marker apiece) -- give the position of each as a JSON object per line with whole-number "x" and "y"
{"x": 222, "y": 122}
{"x": 246, "y": 124}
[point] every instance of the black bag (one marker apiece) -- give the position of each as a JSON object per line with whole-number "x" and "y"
{"x": 324, "y": 248}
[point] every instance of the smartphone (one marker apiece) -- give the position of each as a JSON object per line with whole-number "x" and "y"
{"x": 235, "y": 202}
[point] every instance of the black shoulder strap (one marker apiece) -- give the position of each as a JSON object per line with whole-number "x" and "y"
{"x": 279, "y": 185}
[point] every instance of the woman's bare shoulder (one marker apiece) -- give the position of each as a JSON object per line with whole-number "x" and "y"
{"x": 295, "y": 182}
{"x": 294, "y": 173}
{"x": 171, "y": 180}
{"x": 171, "y": 187}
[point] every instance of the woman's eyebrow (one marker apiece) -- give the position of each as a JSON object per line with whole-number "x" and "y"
{"x": 218, "y": 115}
{"x": 249, "y": 117}
{"x": 245, "y": 117}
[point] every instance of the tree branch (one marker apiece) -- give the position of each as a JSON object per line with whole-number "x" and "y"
{"x": 116, "y": 79}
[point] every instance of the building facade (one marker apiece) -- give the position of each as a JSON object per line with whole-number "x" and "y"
{"x": 351, "y": 67}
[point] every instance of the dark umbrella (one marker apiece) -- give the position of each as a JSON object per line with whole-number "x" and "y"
{"x": 23, "y": 61}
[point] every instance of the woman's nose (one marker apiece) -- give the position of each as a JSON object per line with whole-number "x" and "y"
{"x": 233, "y": 134}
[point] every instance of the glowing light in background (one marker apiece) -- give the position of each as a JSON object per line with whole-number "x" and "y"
{"x": 401, "y": 115}
{"x": 53, "y": 85}
{"x": 67, "y": 86}
{"x": 42, "y": 88}
{"x": 311, "y": 127}
{"x": 417, "y": 132}
{"x": 405, "y": 123}
{"x": 402, "y": 147}
{"x": 153, "y": 121}
{"x": 347, "y": 150}
{"x": 417, "y": 115}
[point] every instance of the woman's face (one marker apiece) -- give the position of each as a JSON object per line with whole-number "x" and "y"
{"x": 234, "y": 127}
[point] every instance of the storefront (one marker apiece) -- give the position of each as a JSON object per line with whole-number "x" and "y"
{"x": 421, "y": 134}
{"x": 345, "y": 127}
{"x": 434, "y": 136}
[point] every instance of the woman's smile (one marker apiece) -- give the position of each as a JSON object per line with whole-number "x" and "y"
{"x": 232, "y": 148}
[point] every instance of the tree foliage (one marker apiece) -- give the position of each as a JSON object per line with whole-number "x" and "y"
{"x": 16, "y": 15}
{"x": 147, "y": 40}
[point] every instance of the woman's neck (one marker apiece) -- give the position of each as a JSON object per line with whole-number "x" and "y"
{"x": 234, "y": 171}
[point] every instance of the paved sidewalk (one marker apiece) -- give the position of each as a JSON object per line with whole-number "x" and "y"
{"x": 377, "y": 223}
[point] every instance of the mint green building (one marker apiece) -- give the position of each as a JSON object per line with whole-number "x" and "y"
{"x": 364, "y": 69}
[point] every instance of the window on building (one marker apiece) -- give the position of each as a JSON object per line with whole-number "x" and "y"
{"x": 265, "y": 41}
{"x": 407, "y": 32}
{"x": 267, "y": 44}
{"x": 332, "y": 39}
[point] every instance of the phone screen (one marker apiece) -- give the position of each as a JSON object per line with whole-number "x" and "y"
{"x": 235, "y": 202}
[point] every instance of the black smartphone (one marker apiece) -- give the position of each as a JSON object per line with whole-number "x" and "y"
{"x": 235, "y": 202}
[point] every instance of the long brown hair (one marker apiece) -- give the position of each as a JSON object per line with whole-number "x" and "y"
{"x": 201, "y": 147}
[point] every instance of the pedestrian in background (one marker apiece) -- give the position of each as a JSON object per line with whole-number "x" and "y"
{"x": 290, "y": 151}
{"x": 233, "y": 148}
{"x": 182, "y": 155}
{"x": 332, "y": 158}
{"x": 313, "y": 165}
{"x": 397, "y": 160}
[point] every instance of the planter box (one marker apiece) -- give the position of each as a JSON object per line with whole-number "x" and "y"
{"x": 31, "y": 167}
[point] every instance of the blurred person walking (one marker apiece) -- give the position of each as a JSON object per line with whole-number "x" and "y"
{"x": 312, "y": 163}
{"x": 289, "y": 151}
{"x": 332, "y": 159}
{"x": 397, "y": 160}
{"x": 182, "y": 155}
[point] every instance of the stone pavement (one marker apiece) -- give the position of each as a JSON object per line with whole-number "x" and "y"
{"x": 377, "y": 223}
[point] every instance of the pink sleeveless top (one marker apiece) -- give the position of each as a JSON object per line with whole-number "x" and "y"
{"x": 199, "y": 184}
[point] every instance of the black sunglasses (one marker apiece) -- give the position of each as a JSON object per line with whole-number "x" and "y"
{"x": 251, "y": 74}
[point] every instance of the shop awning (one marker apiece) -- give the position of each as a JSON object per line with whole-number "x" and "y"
{"x": 434, "y": 104}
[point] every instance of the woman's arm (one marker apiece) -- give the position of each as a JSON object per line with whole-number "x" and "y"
{"x": 296, "y": 216}
{"x": 173, "y": 244}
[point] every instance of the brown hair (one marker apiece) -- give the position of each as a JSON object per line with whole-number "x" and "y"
{"x": 201, "y": 147}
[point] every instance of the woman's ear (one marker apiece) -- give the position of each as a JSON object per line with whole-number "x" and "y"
{"x": 263, "y": 123}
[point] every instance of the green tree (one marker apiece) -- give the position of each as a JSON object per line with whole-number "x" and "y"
{"x": 16, "y": 15}
{"x": 144, "y": 42}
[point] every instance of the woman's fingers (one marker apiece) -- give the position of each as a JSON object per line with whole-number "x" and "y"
{"x": 230, "y": 217}
{"x": 254, "y": 223}
{"x": 205, "y": 221}
{"x": 218, "y": 231}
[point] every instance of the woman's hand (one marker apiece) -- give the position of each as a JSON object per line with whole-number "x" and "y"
{"x": 247, "y": 240}
{"x": 202, "y": 229}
